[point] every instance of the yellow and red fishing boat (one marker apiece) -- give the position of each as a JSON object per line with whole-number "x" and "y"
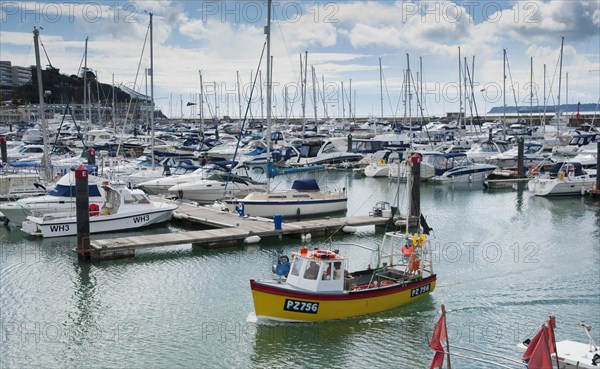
{"x": 316, "y": 285}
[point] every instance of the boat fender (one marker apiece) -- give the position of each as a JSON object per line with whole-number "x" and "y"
{"x": 349, "y": 229}
{"x": 306, "y": 237}
{"x": 407, "y": 250}
{"x": 252, "y": 239}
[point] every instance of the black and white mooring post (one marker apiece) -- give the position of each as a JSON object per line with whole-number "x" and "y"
{"x": 82, "y": 202}
{"x": 3, "y": 154}
{"x": 415, "y": 191}
{"x": 520, "y": 158}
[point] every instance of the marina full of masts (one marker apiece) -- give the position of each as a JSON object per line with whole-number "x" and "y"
{"x": 455, "y": 149}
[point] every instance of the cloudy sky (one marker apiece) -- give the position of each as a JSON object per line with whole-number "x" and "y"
{"x": 345, "y": 41}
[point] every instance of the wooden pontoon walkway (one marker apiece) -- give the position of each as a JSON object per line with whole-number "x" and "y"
{"x": 231, "y": 229}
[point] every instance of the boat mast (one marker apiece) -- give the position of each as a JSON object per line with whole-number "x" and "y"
{"x": 303, "y": 87}
{"x": 531, "y": 92}
{"x": 504, "y": 94}
{"x": 544, "y": 117}
{"x": 350, "y": 115}
{"x": 268, "y": 32}
{"x": 409, "y": 90}
{"x": 562, "y": 40}
{"x": 201, "y": 104}
{"x": 421, "y": 90}
{"x": 45, "y": 158}
{"x": 380, "y": 91}
{"x": 85, "y": 116}
{"x": 343, "y": 104}
{"x": 460, "y": 96}
{"x": 114, "y": 113}
{"x": 285, "y": 93}
{"x": 151, "y": 93}
{"x": 314, "y": 81}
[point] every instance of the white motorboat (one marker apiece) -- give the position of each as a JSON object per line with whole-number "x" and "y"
{"x": 482, "y": 151}
{"x": 532, "y": 156}
{"x": 382, "y": 163}
{"x": 564, "y": 179}
{"x": 164, "y": 183}
{"x": 216, "y": 186}
{"x": 317, "y": 152}
{"x": 124, "y": 209}
{"x": 59, "y": 199}
{"x": 457, "y": 168}
{"x": 16, "y": 181}
{"x": 303, "y": 199}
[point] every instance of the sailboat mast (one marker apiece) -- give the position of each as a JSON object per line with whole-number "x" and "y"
{"x": 314, "y": 81}
{"x": 504, "y": 94}
{"x": 85, "y": 98}
{"x": 531, "y": 92}
{"x": 268, "y": 32}
{"x": 285, "y": 93}
{"x": 408, "y": 85}
{"x": 201, "y": 103}
{"x": 151, "y": 93}
{"x": 303, "y": 77}
{"x": 380, "y": 88}
{"x": 544, "y": 117}
{"x": 114, "y": 113}
{"x": 350, "y": 115}
{"x": 343, "y": 104}
{"x": 562, "y": 40}
{"x": 460, "y": 96}
{"x": 421, "y": 90}
{"x": 46, "y": 158}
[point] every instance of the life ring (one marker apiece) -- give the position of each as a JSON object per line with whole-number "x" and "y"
{"x": 324, "y": 254}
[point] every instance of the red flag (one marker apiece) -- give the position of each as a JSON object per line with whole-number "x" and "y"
{"x": 546, "y": 333}
{"x": 439, "y": 333}
{"x": 540, "y": 357}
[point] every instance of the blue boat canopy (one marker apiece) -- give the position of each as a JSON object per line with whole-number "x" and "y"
{"x": 25, "y": 164}
{"x": 309, "y": 184}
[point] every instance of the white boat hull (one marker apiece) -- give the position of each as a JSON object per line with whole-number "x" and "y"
{"x": 561, "y": 187}
{"x": 377, "y": 170}
{"x": 470, "y": 176}
{"x": 265, "y": 206}
{"x": 49, "y": 226}
{"x": 211, "y": 192}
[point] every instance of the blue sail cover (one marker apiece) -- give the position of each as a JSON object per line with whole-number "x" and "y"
{"x": 309, "y": 184}
{"x": 70, "y": 191}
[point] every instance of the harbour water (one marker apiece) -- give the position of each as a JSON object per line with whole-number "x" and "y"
{"x": 505, "y": 260}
